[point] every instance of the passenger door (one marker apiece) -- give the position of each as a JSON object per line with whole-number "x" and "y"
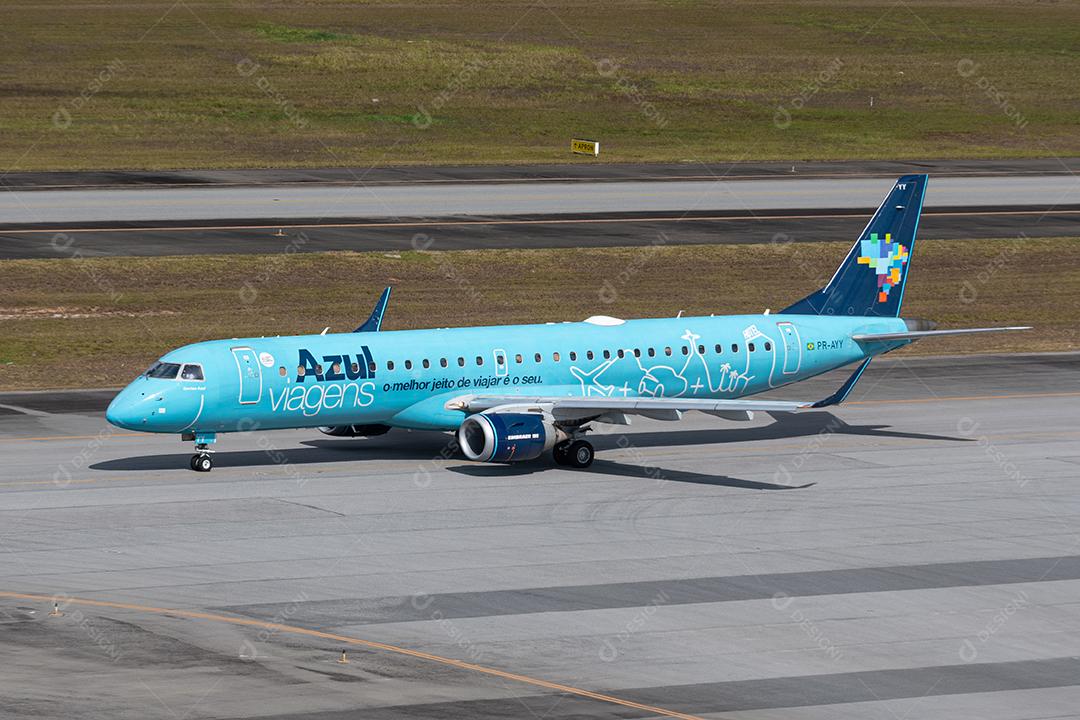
{"x": 792, "y": 347}
{"x": 247, "y": 363}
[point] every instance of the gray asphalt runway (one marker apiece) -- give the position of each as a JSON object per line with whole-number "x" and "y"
{"x": 913, "y": 553}
{"x": 611, "y": 230}
{"x": 67, "y": 208}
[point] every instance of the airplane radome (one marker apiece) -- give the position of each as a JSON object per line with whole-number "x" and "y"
{"x": 513, "y": 392}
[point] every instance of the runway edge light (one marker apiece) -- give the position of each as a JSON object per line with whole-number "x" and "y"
{"x": 585, "y": 147}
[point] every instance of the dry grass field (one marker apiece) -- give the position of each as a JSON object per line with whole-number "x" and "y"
{"x": 162, "y": 84}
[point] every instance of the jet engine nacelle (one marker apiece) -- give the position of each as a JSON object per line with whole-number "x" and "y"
{"x": 355, "y": 430}
{"x": 507, "y": 437}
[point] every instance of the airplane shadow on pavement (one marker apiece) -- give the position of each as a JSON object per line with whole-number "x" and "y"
{"x": 426, "y": 446}
{"x": 625, "y": 470}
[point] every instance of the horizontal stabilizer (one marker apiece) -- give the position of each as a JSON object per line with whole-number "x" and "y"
{"x": 916, "y": 334}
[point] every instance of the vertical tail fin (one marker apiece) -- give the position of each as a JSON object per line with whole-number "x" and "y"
{"x": 872, "y": 277}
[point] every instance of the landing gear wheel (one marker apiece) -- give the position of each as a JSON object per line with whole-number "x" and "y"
{"x": 580, "y": 454}
{"x": 201, "y": 463}
{"x": 561, "y": 453}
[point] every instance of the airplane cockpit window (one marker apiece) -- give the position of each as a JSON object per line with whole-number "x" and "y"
{"x": 192, "y": 372}
{"x": 163, "y": 370}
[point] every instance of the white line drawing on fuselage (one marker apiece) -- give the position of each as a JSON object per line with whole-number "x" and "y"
{"x": 728, "y": 380}
{"x": 663, "y": 380}
{"x": 590, "y": 379}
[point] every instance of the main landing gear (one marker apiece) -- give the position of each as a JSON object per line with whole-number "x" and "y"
{"x": 574, "y": 453}
{"x": 202, "y": 460}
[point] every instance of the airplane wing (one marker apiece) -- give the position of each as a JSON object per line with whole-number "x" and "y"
{"x": 613, "y": 408}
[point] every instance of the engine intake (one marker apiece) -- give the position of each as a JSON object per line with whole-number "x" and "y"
{"x": 507, "y": 437}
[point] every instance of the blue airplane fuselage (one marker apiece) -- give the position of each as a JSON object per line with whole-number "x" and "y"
{"x": 405, "y": 378}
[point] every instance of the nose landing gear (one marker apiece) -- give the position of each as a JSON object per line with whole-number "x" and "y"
{"x": 201, "y": 461}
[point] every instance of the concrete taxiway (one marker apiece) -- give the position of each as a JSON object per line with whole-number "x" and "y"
{"x": 912, "y": 553}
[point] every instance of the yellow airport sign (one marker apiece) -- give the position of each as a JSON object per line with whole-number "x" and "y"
{"x": 585, "y": 147}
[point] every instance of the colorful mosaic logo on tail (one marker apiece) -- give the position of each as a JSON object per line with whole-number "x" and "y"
{"x": 887, "y": 258}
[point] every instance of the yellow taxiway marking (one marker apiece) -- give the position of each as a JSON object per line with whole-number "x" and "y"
{"x": 549, "y": 221}
{"x": 372, "y": 644}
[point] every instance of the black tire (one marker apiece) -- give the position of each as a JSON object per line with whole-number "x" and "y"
{"x": 561, "y": 452}
{"x": 191, "y": 463}
{"x": 580, "y": 455}
{"x": 202, "y": 463}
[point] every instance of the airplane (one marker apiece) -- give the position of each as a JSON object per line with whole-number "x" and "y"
{"x": 514, "y": 392}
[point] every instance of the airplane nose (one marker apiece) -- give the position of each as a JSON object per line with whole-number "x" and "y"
{"x": 119, "y": 413}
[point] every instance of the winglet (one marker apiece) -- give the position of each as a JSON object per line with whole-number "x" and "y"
{"x": 840, "y": 395}
{"x": 373, "y": 323}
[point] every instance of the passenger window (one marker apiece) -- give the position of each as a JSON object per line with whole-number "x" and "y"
{"x": 750, "y": 347}
{"x": 500, "y": 360}
{"x": 355, "y": 367}
{"x": 408, "y": 364}
{"x": 442, "y": 362}
{"x": 701, "y": 349}
{"x": 537, "y": 357}
{"x": 461, "y": 362}
{"x": 768, "y": 346}
{"x": 371, "y": 367}
{"x": 555, "y": 356}
{"x": 621, "y": 353}
{"x": 652, "y": 353}
{"x": 426, "y": 363}
{"x": 637, "y": 352}
{"x": 192, "y": 372}
{"x": 389, "y": 364}
{"x": 337, "y": 368}
{"x": 479, "y": 360}
{"x": 300, "y": 371}
{"x": 734, "y": 347}
{"x": 318, "y": 369}
{"x": 518, "y": 359}
{"x": 607, "y": 354}
{"x": 573, "y": 356}
{"x": 281, "y": 371}
{"x": 719, "y": 349}
{"x": 667, "y": 351}
{"x": 589, "y": 355}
